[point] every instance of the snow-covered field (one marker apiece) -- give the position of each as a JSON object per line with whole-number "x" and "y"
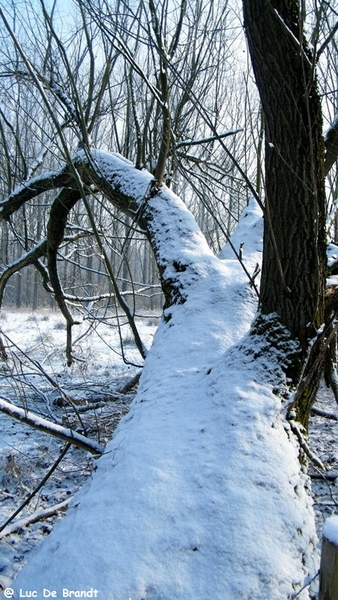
{"x": 94, "y": 383}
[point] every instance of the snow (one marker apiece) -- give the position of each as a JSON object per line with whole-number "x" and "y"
{"x": 332, "y": 253}
{"x": 200, "y": 494}
{"x": 119, "y": 171}
{"x": 330, "y": 529}
{"x": 26, "y": 184}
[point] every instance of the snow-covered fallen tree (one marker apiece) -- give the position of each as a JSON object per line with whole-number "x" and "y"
{"x": 201, "y": 493}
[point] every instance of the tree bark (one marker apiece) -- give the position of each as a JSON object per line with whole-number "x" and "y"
{"x": 293, "y": 271}
{"x": 294, "y": 254}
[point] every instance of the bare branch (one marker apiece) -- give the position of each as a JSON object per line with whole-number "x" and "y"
{"x": 327, "y": 40}
{"x": 5, "y": 529}
{"x": 28, "y": 259}
{"x": 205, "y": 140}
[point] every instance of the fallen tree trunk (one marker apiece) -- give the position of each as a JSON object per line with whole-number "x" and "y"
{"x": 201, "y": 493}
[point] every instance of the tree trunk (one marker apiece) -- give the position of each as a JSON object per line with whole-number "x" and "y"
{"x": 294, "y": 262}
{"x": 294, "y": 238}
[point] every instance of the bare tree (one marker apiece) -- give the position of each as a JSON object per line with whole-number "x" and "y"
{"x": 106, "y": 86}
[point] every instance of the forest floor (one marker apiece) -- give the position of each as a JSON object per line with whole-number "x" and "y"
{"x": 96, "y": 383}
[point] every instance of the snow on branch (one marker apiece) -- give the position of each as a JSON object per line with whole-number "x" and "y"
{"x": 291, "y": 30}
{"x": 131, "y": 191}
{"x": 41, "y": 424}
{"x": 38, "y": 515}
{"x": 32, "y": 188}
{"x": 117, "y": 178}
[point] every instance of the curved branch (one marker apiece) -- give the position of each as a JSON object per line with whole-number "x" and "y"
{"x": 29, "y": 258}
{"x": 34, "y": 187}
{"x": 175, "y": 238}
{"x": 65, "y": 201}
{"x": 45, "y": 276}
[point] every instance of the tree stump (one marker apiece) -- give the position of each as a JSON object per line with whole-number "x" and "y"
{"x": 328, "y": 587}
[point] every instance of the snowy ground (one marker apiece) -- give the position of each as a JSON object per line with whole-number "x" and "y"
{"x": 26, "y": 455}
{"x": 202, "y": 467}
{"x": 324, "y": 443}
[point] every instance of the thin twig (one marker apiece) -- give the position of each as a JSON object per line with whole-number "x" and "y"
{"x": 305, "y": 586}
